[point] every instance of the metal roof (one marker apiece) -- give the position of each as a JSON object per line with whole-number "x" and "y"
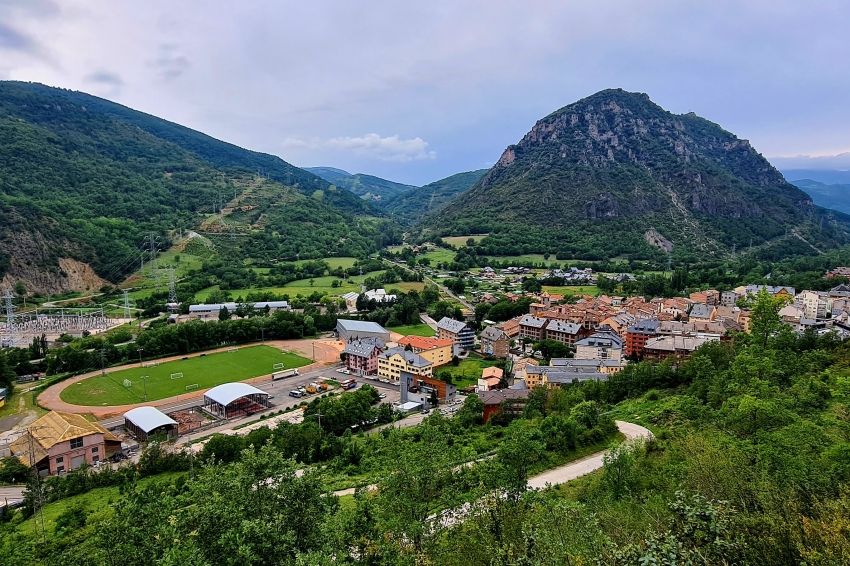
{"x": 227, "y": 393}
{"x": 360, "y": 326}
{"x": 148, "y": 418}
{"x": 451, "y": 325}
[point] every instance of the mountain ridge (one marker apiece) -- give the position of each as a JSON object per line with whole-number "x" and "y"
{"x": 595, "y": 178}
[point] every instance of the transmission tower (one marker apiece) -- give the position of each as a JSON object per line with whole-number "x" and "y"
{"x": 172, "y": 291}
{"x": 126, "y": 304}
{"x": 9, "y": 337}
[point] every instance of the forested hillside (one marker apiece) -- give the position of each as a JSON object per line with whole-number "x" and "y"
{"x": 411, "y": 206}
{"x": 83, "y": 179}
{"x": 367, "y": 187}
{"x": 616, "y": 175}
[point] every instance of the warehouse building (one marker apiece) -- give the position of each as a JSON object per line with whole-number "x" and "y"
{"x": 348, "y": 330}
{"x": 145, "y": 422}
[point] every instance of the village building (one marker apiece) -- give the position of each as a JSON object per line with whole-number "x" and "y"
{"x": 511, "y": 327}
{"x": 602, "y": 345}
{"x": 816, "y": 304}
{"x": 348, "y": 330}
{"x": 361, "y": 356}
{"x": 211, "y": 311}
{"x": 678, "y": 347}
{"x": 396, "y": 360}
{"x": 563, "y": 332}
{"x": 509, "y": 400}
{"x": 458, "y": 332}
{"x": 494, "y": 342}
{"x": 438, "y": 351}
{"x": 637, "y": 335}
{"x": 58, "y": 442}
{"x": 146, "y": 422}
{"x": 490, "y": 379}
{"x": 532, "y": 327}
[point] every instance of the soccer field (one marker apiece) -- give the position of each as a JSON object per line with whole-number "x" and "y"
{"x": 127, "y": 386}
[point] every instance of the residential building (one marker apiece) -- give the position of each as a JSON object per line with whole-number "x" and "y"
{"x": 361, "y": 356}
{"x": 729, "y": 298}
{"x": 604, "y": 344}
{"x": 563, "y": 331}
{"x": 494, "y": 342}
{"x": 438, "y": 351}
{"x": 60, "y": 442}
{"x": 350, "y": 299}
{"x": 702, "y": 312}
{"x": 520, "y": 366}
{"x": 446, "y": 392}
{"x": 838, "y": 272}
{"x": 510, "y": 400}
{"x": 348, "y": 330}
{"x": 637, "y": 335}
{"x": 396, "y": 360}
{"x": 532, "y": 328}
{"x": 379, "y": 296}
{"x": 775, "y": 290}
{"x": 567, "y": 371}
{"x": 619, "y": 322}
{"x": 458, "y": 332}
{"x": 816, "y": 304}
{"x": 841, "y": 291}
{"x": 490, "y": 379}
{"x": 679, "y": 347}
{"x": 511, "y": 327}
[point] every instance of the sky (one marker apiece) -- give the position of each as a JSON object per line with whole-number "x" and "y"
{"x": 416, "y": 91}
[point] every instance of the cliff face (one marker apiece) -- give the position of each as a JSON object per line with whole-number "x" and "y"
{"x": 614, "y": 165}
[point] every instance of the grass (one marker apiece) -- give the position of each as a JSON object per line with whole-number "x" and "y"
{"x": 14, "y": 404}
{"x": 572, "y": 290}
{"x": 333, "y": 262}
{"x": 301, "y": 287}
{"x": 439, "y": 255}
{"x": 467, "y": 372}
{"x": 413, "y": 330}
{"x": 405, "y": 286}
{"x": 205, "y": 371}
{"x": 460, "y": 241}
{"x": 529, "y": 258}
{"x": 98, "y": 502}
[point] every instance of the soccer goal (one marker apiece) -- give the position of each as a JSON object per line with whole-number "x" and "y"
{"x": 191, "y": 387}
{"x": 128, "y": 384}
{"x": 278, "y": 366}
{"x": 177, "y": 375}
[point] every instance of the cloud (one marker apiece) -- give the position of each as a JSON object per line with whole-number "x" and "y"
{"x": 10, "y": 38}
{"x": 106, "y": 78}
{"x": 838, "y": 161}
{"x": 372, "y": 146}
{"x": 170, "y": 63}
{"x": 389, "y": 148}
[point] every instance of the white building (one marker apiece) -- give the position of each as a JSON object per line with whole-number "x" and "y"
{"x": 816, "y": 304}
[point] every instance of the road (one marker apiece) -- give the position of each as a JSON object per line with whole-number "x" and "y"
{"x": 423, "y": 316}
{"x": 586, "y": 465}
{"x": 11, "y": 494}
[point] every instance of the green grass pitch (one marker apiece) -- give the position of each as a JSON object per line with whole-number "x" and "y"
{"x": 206, "y": 371}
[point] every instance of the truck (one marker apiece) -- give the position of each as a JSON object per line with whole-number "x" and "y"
{"x": 284, "y": 374}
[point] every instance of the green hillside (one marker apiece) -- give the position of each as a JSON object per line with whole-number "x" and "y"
{"x": 615, "y": 174}
{"x": 82, "y": 180}
{"x": 411, "y": 206}
{"x": 367, "y": 187}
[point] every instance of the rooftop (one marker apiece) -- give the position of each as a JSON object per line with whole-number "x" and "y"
{"x": 451, "y": 325}
{"x": 148, "y": 418}
{"x": 227, "y": 393}
{"x": 360, "y": 326}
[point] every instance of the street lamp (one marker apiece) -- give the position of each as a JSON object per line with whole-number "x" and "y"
{"x": 144, "y": 379}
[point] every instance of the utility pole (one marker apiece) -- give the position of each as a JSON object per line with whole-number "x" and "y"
{"x": 172, "y": 291}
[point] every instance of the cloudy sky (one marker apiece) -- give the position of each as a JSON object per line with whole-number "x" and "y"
{"x": 415, "y": 91}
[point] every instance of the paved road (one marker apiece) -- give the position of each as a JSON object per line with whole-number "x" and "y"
{"x": 586, "y": 465}
{"x": 423, "y": 316}
{"x": 12, "y": 494}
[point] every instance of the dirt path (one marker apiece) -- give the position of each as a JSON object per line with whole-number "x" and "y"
{"x": 326, "y": 352}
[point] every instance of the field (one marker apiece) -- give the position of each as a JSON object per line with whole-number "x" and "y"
{"x": 572, "y": 290}
{"x": 531, "y": 258}
{"x": 301, "y": 287}
{"x": 413, "y": 330}
{"x": 205, "y": 371}
{"x": 467, "y": 372}
{"x": 333, "y": 262}
{"x": 439, "y": 255}
{"x": 460, "y": 241}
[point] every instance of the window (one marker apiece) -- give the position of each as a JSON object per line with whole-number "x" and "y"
{"x": 94, "y": 460}
{"x": 94, "y": 450}
{"x": 59, "y": 459}
{"x": 76, "y": 443}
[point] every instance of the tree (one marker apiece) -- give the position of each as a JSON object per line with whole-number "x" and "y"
{"x": 472, "y": 411}
{"x": 764, "y": 320}
{"x": 224, "y": 314}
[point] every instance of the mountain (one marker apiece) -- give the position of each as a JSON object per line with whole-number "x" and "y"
{"x": 834, "y": 196}
{"x": 367, "y": 187}
{"x": 616, "y": 175}
{"x": 411, "y": 206}
{"x": 83, "y": 180}
{"x": 826, "y": 176}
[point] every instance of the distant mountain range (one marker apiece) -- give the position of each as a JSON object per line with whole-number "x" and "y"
{"x": 367, "y": 187}
{"x": 828, "y": 188}
{"x": 616, "y": 175}
{"x": 83, "y": 180}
